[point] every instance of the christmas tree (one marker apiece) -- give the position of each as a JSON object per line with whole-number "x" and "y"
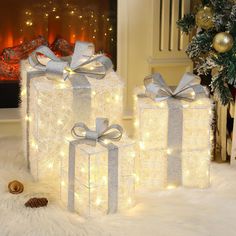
{"x": 213, "y": 48}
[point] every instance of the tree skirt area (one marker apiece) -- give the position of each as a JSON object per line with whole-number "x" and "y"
{"x": 175, "y": 212}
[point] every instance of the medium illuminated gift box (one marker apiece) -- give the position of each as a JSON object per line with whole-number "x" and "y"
{"x": 51, "y": 104}
{"x": 174, "y": 133}
{"x": 98, "y": 178}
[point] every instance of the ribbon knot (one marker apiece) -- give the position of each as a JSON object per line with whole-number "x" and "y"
{"x": 82, "y": 62}
{"x": 103, "y": 131}
{"x": 187, "y": 89}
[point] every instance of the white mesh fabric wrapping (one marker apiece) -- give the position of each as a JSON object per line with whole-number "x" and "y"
{"x": 151, "y": 125}
{"x": 91, "y": 181}
{"x": 52, "y": 114}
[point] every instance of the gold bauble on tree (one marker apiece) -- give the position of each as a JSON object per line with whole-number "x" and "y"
{"x": 223, "y": 42}
{"x": 204, "y": 18}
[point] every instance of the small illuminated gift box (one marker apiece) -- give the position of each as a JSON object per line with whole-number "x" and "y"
{"x": 51, "y": 104}
{"x": 98, "y": 176}
{"x": 174, "y": 133}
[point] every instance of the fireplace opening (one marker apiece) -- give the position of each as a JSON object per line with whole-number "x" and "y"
{"x": 56, "y": 23}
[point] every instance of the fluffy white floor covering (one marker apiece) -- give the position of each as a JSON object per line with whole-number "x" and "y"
{"x": 177, "y": 212}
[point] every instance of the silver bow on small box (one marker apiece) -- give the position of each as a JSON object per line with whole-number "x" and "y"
{"x": 189, "y": 90}
{"x": 75, "y": 71}
{"x": 104, "y": 135}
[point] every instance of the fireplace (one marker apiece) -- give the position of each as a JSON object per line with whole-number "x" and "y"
{"x": 56, "y": 23}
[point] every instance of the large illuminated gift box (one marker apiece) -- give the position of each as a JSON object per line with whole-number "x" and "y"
{"x": 98, "y": 179}
{"x": 174, "y": 132}
{"x": 51, "y": 105}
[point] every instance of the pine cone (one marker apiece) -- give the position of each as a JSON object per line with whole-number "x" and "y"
{"x": 36, "y": 202}
{"x": 15, "y": 187}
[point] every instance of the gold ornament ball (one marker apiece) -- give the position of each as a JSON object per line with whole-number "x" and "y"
{"x": 204, "y": 18}
{"x": 223, "y": 42}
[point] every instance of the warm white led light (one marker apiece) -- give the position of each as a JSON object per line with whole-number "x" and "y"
{"x": 141, "y": 145}
{"x": 169, "y": 151}
{"x": 98, "y": 201}
{"x": 171, "y": 186}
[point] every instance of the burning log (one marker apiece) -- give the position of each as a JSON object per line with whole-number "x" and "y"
{"x": 14, "y": 54}
{"x": 9, "y": 70}
{"x": 62, "y": 47}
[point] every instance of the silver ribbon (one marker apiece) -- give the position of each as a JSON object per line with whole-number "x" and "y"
{"x": 189, "y": 89}
{"x": 74, "y": 68}
{"x": 103, "y": 133}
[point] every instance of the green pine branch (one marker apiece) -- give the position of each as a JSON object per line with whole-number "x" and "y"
{"x": 187, "y": 23}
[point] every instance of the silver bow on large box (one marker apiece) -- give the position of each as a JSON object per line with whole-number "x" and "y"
{"x": 189, "y": 89}
{"x": 102, "y": 135}
{"x": 74, "y": 69}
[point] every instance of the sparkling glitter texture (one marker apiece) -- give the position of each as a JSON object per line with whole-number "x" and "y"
{"x": 91, "y": 177}
{"x": 55, "y": 107}
{"x": 151, "y": 125}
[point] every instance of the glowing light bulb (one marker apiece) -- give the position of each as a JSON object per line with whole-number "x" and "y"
{"x": 185, "y": 105}
{"x": 129, "y": 201}
{"x": 106, "y": 141}
{"x": 98, "y": 201}
{"x": 169, "y": 151}
{"x": 161, "y": 104}
{"x": 29, "y": 23}
{"x": 28, "y": 118}
{"x": 59, "y": 122}
{"x": 80, "y": 17}
{"x": 62, "y": 85}
{"x": 104, "y": 179}
{"x": 132, "y": 154}
{"x": 57, "y": 17}
{"x": 136, "y": 123}
{"x": 72, "y": 12}
{"x": 50, "y": 165}
{"x": 110, "y": 29}
{"x": 171, "y": 186}
{"x": 117, "y": 98}
{"x": 23, "y": 92}
{"x": 141, "y": 145}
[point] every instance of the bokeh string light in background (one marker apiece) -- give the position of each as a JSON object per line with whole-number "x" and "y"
{"x": 93, "y": 21}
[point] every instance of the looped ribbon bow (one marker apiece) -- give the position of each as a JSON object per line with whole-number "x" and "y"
{"x": 103, "y": 131}
{"x": 187, "y": 89}
{"x": 82, "y": 62}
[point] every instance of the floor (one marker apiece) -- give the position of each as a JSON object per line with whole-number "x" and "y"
{"x": 177, "y": 212}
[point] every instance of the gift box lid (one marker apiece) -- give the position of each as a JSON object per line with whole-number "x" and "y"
{"x": 42, "y": 83}
{"x": 201, "y": 102}
{"x": 98, "y": 148}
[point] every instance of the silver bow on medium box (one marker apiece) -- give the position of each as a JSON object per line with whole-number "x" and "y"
{"x": 104, "y": 135}
{"x": 74, "y": 70}
{"x": 188, "y": 90}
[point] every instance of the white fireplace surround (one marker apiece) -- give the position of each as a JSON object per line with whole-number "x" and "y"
{"x": 149, "y": 41}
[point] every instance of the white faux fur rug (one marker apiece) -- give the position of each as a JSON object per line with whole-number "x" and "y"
{"x": 178, "y": 212}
